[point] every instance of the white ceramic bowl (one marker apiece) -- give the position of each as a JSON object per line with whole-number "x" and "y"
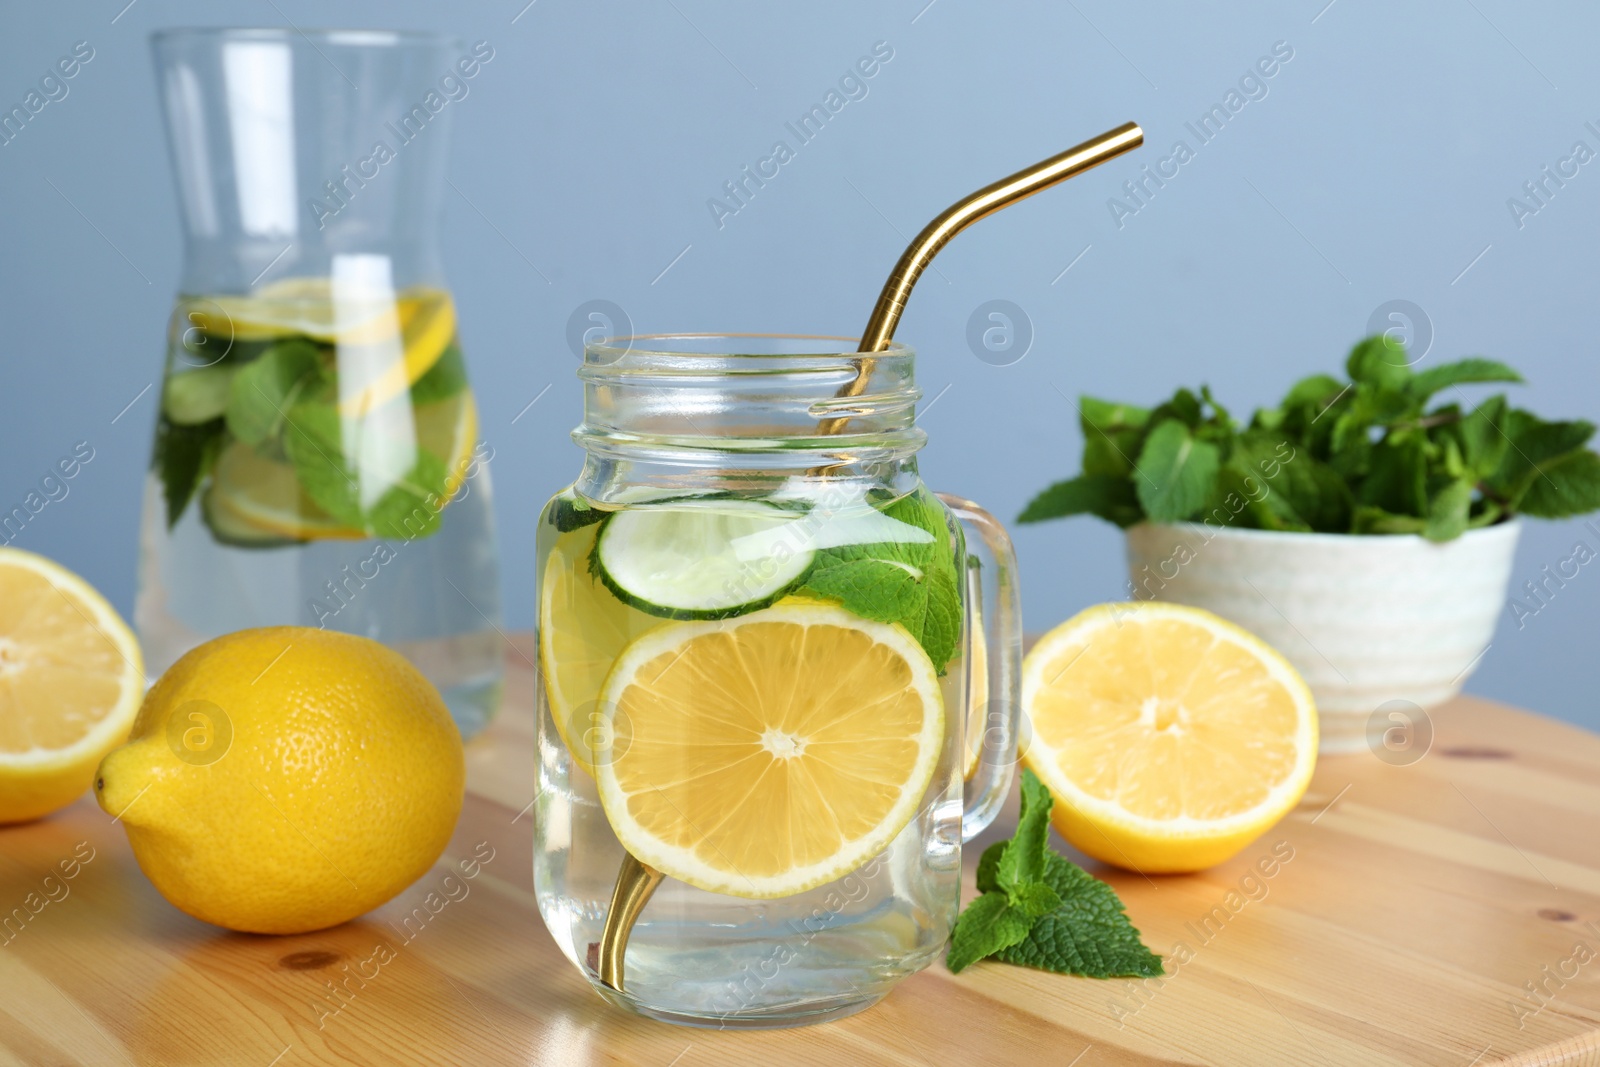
{"x": 1365, "y": 619}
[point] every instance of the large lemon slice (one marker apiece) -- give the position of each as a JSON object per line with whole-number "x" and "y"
{"x": 1170, "y": 738}
{"x": 299, "y": 305}
{"x": 583, "y": 628}
{"x": 765, "y": 755}
{"x": 71, "y": 679}
{"x": 386, "y": 341}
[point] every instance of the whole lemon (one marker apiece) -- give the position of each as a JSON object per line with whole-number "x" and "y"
{"x": 287, "y": 779}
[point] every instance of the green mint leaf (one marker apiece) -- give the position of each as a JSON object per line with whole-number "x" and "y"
{"x": 266, "y": 389}
{"x": 1184, "y": 406}
{"x": 183, "y": 456}
{"x": 1397, "y": 482}
{"x": 446, "y": 378}
{"x": 1176, "y": 472}
{"x": 989, "y": 925}
{"x": 1373, "y": 520}
{"x": 1022, "y": 862}
{"x": 989, "y": 866}
{"x": 1033, "y": 900}
{"x": 1380, "y": 361}
{"x": 1461, "y": 372}
{"x": 570, "y": 513}
{"x": 896, "y": 581}
{"x": 1111, "y": 436}
{"x": 1448, "y": 511}
{"x": 1564, "y": 486}
{"x": 1295, "y": 490}
{"x": 1317, "y": 390}
{"x": 1533, "y": 442}
{"x": 1483, "y": 441}
{"x": 312, "y": 441}
{"x": 1111, "y": 498}
{"x": 1110, "y": 416}
{"x": 364, "y": 492}
{"x": 1087, "y": 934}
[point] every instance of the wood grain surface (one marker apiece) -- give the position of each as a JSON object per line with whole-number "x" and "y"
{"x": 1442, "y": 912}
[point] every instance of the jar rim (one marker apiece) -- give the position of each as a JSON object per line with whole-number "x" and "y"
{"x": 724, "y": 354}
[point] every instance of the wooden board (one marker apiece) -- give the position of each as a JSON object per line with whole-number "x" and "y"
{"x": 1409, "y": 912}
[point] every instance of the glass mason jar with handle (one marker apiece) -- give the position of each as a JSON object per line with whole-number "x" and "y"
{"x": 779, "y": 682}
{"x": 317, "y": 458}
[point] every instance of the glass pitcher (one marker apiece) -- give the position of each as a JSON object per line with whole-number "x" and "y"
{"x": 779, "y": 684}
{"x": 317, "y": 458}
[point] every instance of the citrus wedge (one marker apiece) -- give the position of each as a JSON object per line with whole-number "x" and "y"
{"x": 1170, "y": 738}
{"x": 768, "y": 754}
{"x": 71, "y": 679}
{"x": 583, "y": 628}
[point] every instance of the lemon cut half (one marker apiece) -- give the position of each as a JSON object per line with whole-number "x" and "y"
{"x": 1170, "y": 738}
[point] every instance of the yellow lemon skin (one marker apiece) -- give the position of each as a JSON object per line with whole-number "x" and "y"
{"x": 70, "y": 681}
{"x": 1170, "y": 738}
{"x": 287, "y": 779}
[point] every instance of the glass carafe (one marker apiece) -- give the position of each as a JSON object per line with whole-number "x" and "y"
{"x": 317, "y": 455}
{"x": 778, "y": 683}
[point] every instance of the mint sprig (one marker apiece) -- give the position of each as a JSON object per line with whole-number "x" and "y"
{"x": 1039, "y": 909}
{"x": 1372, "y": 453}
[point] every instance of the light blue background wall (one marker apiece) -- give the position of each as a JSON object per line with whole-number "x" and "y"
{"x": 1377, "y": 168}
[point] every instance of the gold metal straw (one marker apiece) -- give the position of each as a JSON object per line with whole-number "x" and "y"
{"x": 957, "y": 217}
{"x": 636, "y": 881}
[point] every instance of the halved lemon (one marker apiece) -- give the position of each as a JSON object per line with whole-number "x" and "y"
{"x": 768, "y": 754}
{"x": 1170, "y": 738}
{"x": 583, "y": 628}
{"x": 71, "y": 679}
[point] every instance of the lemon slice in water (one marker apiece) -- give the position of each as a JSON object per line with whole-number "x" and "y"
{"x": 768, "y": 754}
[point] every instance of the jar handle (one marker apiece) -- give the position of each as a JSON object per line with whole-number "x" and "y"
{"x": 994, "y": 663}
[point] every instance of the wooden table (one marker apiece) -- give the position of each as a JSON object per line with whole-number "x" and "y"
{"x": 1416, "y": 907}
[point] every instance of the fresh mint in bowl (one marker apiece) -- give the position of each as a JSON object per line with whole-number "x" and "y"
{"x": 1364, "y": 526}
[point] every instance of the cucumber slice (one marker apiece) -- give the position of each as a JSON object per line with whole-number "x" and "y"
{"x": 194, "y": 396}
{"x": 712, "y": 559}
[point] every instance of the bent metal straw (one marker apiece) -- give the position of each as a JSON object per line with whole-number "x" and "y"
{"x": 636, "y": 881}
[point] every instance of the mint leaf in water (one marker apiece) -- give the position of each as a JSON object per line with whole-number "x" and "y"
{"x": 183, "y": 455}
{"x": 406, "y": 504}
{"x": 899, "y": 581}
{"x": 1070, "y": 921}
{"x": 446, "y": 378}
{"x": 265, "y": 389}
